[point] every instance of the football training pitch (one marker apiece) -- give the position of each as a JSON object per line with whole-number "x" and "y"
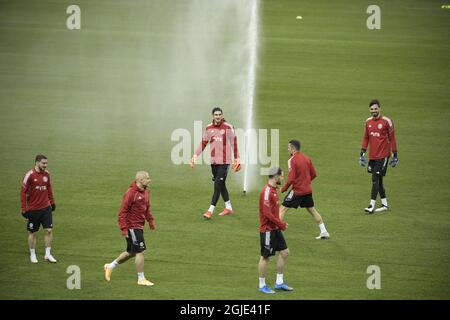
{"x": 101, "y": 103}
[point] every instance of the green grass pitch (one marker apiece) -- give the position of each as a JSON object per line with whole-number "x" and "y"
{"x": 79, "y": 97}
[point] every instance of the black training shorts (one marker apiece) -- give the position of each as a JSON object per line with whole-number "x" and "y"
{"x": 378, "y": 166}
{"x": 38, "y": 217}
{"x": 219, "y": 171}
{"x": 135, "y": 241}
{"x": 293, "y": 200}
{"x": 271, "y": 241}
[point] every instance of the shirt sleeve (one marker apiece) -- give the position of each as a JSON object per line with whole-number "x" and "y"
{"x": 235, "y": 145}
{"x": 365, "y": 141}
{"x": 312, "y": 170}
{"x": 23, "y": 193}
{"x": 205, "y": 140}
{"x": 148, "y": 212}
{"x": 50, "y": 191}
{"x": 291, "y": 176}
{"x": 267, "y": 212}
{"x": 392, "y": 137}
{"x": 123, "y": 212}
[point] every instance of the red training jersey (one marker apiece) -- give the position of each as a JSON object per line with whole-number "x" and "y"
{"x": 301, "y": 173}
{"x": 223, "y": 140}
{"x": 135, "y": 209}
{"x": 269, "y": 210}
{"x": 36, "y": 192}
{"x": 379, "y": 136}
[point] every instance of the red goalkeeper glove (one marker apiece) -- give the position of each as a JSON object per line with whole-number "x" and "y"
{"x": 237, "y": 165}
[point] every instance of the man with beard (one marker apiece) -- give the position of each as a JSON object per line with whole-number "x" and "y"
{"x": 270, "y": 231}
{"x": 379, "y": 136}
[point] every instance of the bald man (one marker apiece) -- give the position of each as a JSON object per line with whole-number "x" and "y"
{"x": 135, "y": 209}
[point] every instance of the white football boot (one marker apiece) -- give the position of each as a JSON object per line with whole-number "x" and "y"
{"x": 369, "y": 209}
{"x": 382, "y": 209}
{"x": 50, "y": 258}
{"x": 323, "y": 235}
{"x": 33, "y": 258}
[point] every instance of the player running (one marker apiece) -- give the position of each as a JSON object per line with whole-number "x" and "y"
{"x": 301, "y": 174}
{"x": 222, "y": 137}
{"x": 379, "y": 136}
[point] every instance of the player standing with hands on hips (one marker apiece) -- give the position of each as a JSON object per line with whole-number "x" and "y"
{"x": 37, "y": 204}
{"x": 379, "y": 136}
{"x": 222, "y": 138}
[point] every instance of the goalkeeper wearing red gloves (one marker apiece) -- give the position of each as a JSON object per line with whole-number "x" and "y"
{"x": 135, "y": 209}
{"x": 222, "y": 138}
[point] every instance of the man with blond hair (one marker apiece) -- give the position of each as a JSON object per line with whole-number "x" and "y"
{"x": 135, "y": 209}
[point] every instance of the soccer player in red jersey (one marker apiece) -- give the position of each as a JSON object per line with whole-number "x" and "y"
{"x": 220, "y": 134}
{"x": 37, "y": 204}
{"x": 135, "y": 209}
{"x": 271, "y": 237}
{"x": 301, "y": 174}
{"x": 380, "y": 137}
